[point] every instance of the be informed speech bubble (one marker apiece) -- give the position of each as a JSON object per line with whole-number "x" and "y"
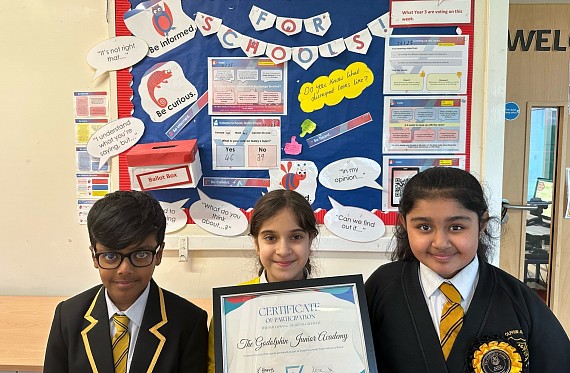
{"x": 218, "y": 217}
{"x": 175, "y": 217}
{"x": 351, "y": 173}
{"x": 353, "y": 223}
{"x": 114, "y": 138}
{"x": 116, "y": 53}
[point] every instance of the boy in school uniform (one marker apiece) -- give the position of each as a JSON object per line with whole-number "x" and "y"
{"x": 127, "y": 324}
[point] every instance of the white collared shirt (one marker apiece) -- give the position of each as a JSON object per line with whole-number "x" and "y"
{"x": 465, "y": 282}
{"x": 135, "y": 314}
{"x": 263, "y": 276}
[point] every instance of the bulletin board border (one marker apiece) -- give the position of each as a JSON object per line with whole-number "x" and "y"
{"x": 126, "y": 108}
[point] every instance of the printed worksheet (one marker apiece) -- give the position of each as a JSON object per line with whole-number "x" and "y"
{"x": 246, "y": 143}
{"x": 429, "y": 124}
{"x": 426, "y": 64}
{"x": 246, "y": 86}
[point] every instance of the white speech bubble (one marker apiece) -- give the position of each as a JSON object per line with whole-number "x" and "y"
{"x": 244, "y": 75}
{"x": 353, "y": 223}
{"x": 175, "y": 217}
{"x": 271, "y": 75}
{"x": 351, "y": 173}
{"x": 218, "y": 217}
{"x": 116, "y": 53}
{"x": 114, "y": 138}
{"x": 224, "y": 74}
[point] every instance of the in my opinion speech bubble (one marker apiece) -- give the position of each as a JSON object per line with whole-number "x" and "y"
{"x": 353, "y": 223}
{"x": 351, "y": 173}
{"x": 116, "y": 53}
{"x": 218, "y": 217}
{"x": 175, "y": 217}
{"x": 114, "y": 138}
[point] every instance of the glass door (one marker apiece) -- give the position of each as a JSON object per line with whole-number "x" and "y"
{"x": 541, "y": 168}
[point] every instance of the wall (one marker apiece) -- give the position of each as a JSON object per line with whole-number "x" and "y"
{"x": 45, "y": 251}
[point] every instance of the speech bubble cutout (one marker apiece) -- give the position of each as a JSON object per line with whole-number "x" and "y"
{"x": 244, "y": 75}
{"x": 175, "y": 217}
{"x": 218, "y": 217}
{"x": 331, "y": 90}
{"x": 271, "y": 75}
{"x": 116, "y": 53}
{"x": 224, "y": 74}
{"x": 351, "y": 173}
{"x": 114, "y": 138}
{"x": 353, "y": 223}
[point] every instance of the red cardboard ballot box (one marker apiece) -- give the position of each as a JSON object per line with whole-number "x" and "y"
{"x": 164, "y": 165}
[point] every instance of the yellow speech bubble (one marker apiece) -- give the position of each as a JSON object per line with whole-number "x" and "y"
{"x": 332, "y": 89}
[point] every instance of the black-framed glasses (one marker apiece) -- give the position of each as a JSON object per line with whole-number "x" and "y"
{"x": 139, "y": 258}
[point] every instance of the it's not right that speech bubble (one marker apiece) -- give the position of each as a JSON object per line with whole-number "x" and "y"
{"x": 351, "y": 173}
{"x": 116, "y": 53}
{"x": 353, "y": 223}
{"x": 114, "y": 138}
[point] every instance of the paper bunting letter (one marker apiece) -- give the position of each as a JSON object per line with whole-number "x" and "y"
{"x": 207, "y": 24}
{"x": 261, "y": 19}
{"x": 381, "y": 26}
{"x": 333, "y": 48}
{"x": 318, "y": 25}
{"x": 278, "y": 53}
{"x": 359, "y": 42}
{"x": 289, "y": 26}
{"x": 252, "y": 47}
{"x": 229, "y": 38}
{"x": 305, "y": 56}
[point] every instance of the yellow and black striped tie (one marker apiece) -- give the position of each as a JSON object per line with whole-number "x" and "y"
{"x": 451, "y": 318}
{"x": 121, "y": 343}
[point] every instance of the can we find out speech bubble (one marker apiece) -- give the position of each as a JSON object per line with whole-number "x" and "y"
{"x": 353, "y": 223}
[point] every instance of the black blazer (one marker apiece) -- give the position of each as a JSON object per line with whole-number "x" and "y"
{"x": 503, "y": 309}
{"x": 173, "y": 336}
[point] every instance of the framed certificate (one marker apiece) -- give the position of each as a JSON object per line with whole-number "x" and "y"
{"x": 308, "y": 326}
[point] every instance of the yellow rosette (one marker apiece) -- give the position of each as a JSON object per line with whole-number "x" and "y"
{"x": 497, "y": 357}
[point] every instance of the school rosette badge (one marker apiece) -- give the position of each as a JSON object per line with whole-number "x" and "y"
{"x": 496, "y": 357}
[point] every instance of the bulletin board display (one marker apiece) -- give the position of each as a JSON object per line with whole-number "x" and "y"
{"x": 318, "y": 123}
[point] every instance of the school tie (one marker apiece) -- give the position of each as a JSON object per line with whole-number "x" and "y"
{"x": 451, "y": 318}
{"x": 121, "y": 343}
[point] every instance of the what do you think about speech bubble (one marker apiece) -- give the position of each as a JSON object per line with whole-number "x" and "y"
{"x": 353, "y": 223}
{"x": 114, "y": 138}
{"x": 351, "y": 173}
{"x": 218, "y": 217}
{"x": 116, "y": 53}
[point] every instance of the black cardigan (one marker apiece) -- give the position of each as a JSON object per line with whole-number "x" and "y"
{"x": 502, "y": 309}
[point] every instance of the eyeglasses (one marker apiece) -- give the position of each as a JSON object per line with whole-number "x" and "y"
{"x": 139, "y": 258}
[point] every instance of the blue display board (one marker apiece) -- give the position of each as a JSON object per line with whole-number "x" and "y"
{"x": 347, "y": 18}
